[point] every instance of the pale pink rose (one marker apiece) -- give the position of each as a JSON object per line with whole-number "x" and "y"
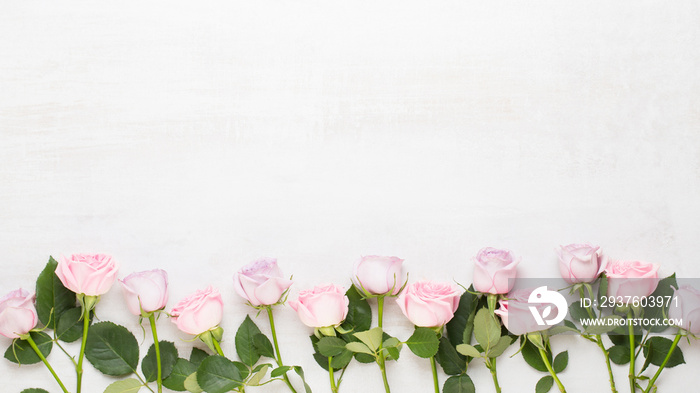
{"x": 17, "y": 313}
{"x": 92, "y": 275}
{"x": 632, "y": 278}
{"x": 261, "y": 282}
{"x": 685, "y": 305}
{"x": 516, "y": 315}
{"x": 322, "y": 306}
{"x": 580, "y": 263}
{"x": 146, "y": 291}
{"x": 378, "y": 275}
{"x": 199, "y": 312}
{"x": 494, "y": 270}
{"x": 428, "y": 303}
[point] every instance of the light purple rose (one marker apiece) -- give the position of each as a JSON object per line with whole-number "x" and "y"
{"x": 261, "y": 282}
{"x": 494, "y": 271}
{"x": 685, "y": 305}
{"x": 378, "y": 275}
{"x": 632, "y": 278}
{"x": 428, "y": 303}
{"x": 146, "y": 291}
{"x": 580, "y": 263}
{"x": 17, "y": 313}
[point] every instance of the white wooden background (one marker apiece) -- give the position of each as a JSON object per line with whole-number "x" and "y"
{"x": 197, "y": 136}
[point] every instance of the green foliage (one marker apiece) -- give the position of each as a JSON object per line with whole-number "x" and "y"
{"x": 168, "y": 358}
{"x": 449, "y": 359}
{"x": 52, "y": 298}
{"x": 656, "y": 349}
{"x": 112, "y": 349}
{"x": 459, "y": 384}
{"x": 664, "y": 288}
{"x": 176, "y": 380}
{"x": 130, "y": 385}
{"x": 197, "y": 356}
{"x": 561, "y": 361}
{"x": 245, "y": 346}
{"x": 544, "y": 385}
{"x": 217, "y": 374}
{"x": 423, "y": 342}
{"x": 21, "y": 352}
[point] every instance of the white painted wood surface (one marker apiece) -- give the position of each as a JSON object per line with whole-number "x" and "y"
{"x": 197, "y": 136}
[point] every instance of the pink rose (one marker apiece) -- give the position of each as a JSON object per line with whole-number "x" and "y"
{"x": 516, "y": 315}
{"x": 378, "y": 275}
{"x": 632, "y": 278}
{"x": 17, "y": 313}
{"x": 428, "y": 303}
{"x": 322, "y": 306}
{"x": 494, "y": 271}
{"x": 685, "y": 305}
{"x": 580, "y": 263}
{"x": 92, "y": 275}
{"x": 199, "y": 312}
{"x": 261, "y": 282}
{"x": 146, "y": 291}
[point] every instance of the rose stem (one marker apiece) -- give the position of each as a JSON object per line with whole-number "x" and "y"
{"x": 334, "y": 388}
{"x": 46, "y": 362}
{"x": 435, "y": 376}
{"x": 661, "y": 367}
{"x": 159, "y": 379}
{"x": 632, "y": 376}
{"x": 217, "y": 347}
{"x": 86, "y": 325}
{"x": 599, "y": 341}
{"x": 380, "y": 357}
{"x": 543, "y": 354}
{"x": 491, "y": 364}
{"x": 277, "y": 348}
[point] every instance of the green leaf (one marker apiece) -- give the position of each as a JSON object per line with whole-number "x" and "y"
{"x": 217, "y": 374}
{"x": 487, "y": 330}
{"x": 449, "y": 359}
{"x": 532, "y": 356}
{"x": 620, "y": 336}
{"x": 358, "y": 347}
{"x": 656, "y": 349}
{"x": 130, "y": 385}
{"x": 34, "y": 390}
{"x": 561, "y": 361}
{"x": 330, "y": 346}
{"x": 577, "y": 312}
{"x": 279, "y": 371}
{"x": 664, "y": 288}
{"x": 300, "y": 373}
{"x": 70, "y": 325}
{"x": 176, "y": 380}
{"x": 424, "y": 342}
{"x": 372, "y": 338}
{"x": 245, "y": 346}
{"x": 52, "y": 298}
{"x": 619, "y": 354}
{"x": 468, "y": 350}
{"x": 112, "y": 349}
{"x": 258, "y": 375}
{"x": 458, "y": 324}
{"x": 191, "y": 384}
{"x": 263, "y": 346}
{"x": 21, "y": 352}
{"x": 168, "y": 358}
{"x": 197, "y": 356}
{"x": 459, "y": 384}
{"x": 359, "y": 316}
{"x": 500, "y": 347}
{"x": 340, "y": 361}
{"x": 602, "y": 290}
{"x": 544, "y": 385}
{"x": 243, "y": 369}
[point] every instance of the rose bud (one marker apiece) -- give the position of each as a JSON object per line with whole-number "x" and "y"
{"x": 580, "y": 263}
{"x": 17, "y": 313}
{"x": 378, "y": 275}
{"x": 685, "y": 305}
{"x": 516, "y": 315}
{"x": 91, "y": 275}
{"x": 261, "y": 282}
{"x": 322, "y": 306}
{"x": 146, "y": 292}
{"x": 199, "y": 312}
{"x": 632, "y": 278}
{"x": 494, "y": 271}
{"x": 428, "y": 303}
